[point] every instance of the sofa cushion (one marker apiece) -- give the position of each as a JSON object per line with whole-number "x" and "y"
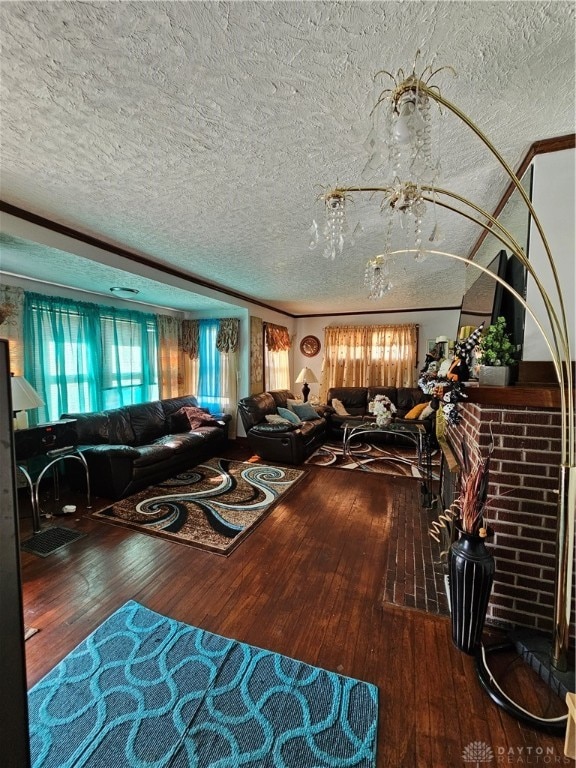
{"x": 120, "y": 430}
{"x": 253, "y": 409}
{"x": 173, "y": 404}
{"x": 178, "y": 422}
{"x": 281, "y": 397}
{"x": 354, "y": 399}
{"x": 91, "y": 428}
{"x": 152, "y": 454}
{"x": 266, "y": 428}
{"x": 148, "y": 421}
{"x": 289, "y": 416}
{"x": 408, "y": 397}
{"x": 390, "y": 392}
{"x": 306, "y": 412}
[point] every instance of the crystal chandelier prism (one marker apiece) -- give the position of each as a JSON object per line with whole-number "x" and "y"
{"x": 377, "y": 277}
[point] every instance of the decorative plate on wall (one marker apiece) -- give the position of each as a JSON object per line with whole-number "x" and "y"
{"x": 310, "y": 346}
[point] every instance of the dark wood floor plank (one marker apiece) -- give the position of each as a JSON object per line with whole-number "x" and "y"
{"x": 308, "y": 582}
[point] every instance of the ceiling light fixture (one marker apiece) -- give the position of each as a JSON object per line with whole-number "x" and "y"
{"x": 120, "y": 289}
{"x": 403, "y": 141}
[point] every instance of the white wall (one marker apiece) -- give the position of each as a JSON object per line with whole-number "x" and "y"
{"x": 553, "y": 199}
{"x": 432, "y": 324}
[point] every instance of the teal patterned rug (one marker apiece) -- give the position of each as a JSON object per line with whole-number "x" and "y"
{"x": 146, "y": 690}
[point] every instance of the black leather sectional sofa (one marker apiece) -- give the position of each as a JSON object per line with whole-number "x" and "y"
{"x": 287, "y": 443}
{"x": 356, "y": 400}
{"x": 135, "y": 446}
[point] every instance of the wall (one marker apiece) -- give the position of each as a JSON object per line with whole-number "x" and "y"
{"x": 553, "y": 198}
{"x": 432, "y": 324}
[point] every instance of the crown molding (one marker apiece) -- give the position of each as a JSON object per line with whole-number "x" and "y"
{"x": 541, "y": 147}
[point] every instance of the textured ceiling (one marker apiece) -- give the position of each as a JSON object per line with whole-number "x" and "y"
{"x": 198, "y": 135}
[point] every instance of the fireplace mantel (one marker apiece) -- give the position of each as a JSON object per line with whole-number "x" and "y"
{"x": 535, "y": 396}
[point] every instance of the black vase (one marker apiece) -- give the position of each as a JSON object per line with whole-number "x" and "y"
{"x": 471, "y": 573}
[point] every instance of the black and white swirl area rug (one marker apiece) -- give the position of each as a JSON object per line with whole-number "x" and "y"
{"x": 212, "y": 506}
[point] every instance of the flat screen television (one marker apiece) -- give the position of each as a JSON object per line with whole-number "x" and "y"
{"x": 482, "y": 302}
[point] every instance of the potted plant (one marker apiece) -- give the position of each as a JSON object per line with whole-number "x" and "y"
{"x": 470, "y": 563}
{"x": 496, "y": 355}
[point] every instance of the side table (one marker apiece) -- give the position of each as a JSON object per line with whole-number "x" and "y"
{"x": 35, "y": 468}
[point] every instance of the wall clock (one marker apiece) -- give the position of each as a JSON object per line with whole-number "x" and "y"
{"x": 310, "y": 346}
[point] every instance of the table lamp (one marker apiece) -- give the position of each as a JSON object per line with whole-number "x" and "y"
{"x": 24, "y": 398}
{"x": 306, "y": 376}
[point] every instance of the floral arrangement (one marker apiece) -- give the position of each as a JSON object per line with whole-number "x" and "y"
{"x": 383, "y": 409}
{"x": 495, "y": 347}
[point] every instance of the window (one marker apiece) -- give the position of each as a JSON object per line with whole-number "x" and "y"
{"x": 83, "y": 357}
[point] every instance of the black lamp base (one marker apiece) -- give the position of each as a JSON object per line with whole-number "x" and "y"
{"x": 305, "y": 392}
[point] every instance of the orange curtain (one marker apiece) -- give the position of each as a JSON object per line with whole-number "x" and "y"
{"x": 369, "y": 355}
{"x": 277, "y": 337}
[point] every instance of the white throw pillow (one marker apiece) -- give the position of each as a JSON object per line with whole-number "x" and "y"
{"x": 290, "y": 403}
{"x": 275, "y": 418}
{"x": 444, "y": 368}
{"x": 428, "y": 411}
{"x": 339, "y": 407}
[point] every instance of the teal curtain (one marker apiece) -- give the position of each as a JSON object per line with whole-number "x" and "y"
{"x": 61, "y": 351}
{"x": 209, "y": 386}
{"x": 129, "y": 365}
{"x": 85, "y": 357}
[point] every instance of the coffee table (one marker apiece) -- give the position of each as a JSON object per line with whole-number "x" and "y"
{"x": 414, "y": 431}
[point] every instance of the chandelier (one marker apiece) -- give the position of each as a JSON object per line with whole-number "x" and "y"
{"x": 401, "y": 139}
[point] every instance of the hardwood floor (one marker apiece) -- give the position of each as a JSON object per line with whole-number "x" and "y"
{"x": 309, "y": 582}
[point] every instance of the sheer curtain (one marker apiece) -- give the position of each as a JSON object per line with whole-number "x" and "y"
{"x": 372, "y": 355}
{"x": 276, "y": 359}
{"x": 227, "y": 343}
{"x": 62, "y": 355}
{"x": 85, "y": 357}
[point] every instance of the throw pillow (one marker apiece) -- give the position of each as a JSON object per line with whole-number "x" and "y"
{"x": 339, "y": 407}
{"x": 291, "y": 403}
{"x": 444, "y": 368}
{"x": 306, "y": 412}
{"x": 414, "y": 413}
{"x": 428, "y": 411}
{"x": 275, "y": 418}
{"x": 289, "y": 416}
{"x": 197, "y": 417}
{"x": 178, "y": 422}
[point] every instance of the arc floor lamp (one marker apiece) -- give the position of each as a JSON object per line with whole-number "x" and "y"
{"x": 401, "y": 137}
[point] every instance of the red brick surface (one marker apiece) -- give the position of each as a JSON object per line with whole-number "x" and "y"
{"x": 522, "y": 506}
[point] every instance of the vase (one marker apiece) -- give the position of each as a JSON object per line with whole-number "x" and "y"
{"x": 494, "y": 375}
{"x": 470, "y": 573}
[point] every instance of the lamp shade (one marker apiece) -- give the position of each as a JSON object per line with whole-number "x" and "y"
{"x": 441, "y": 339}
{"x": 307, "y": 376}
{"x": 24, "y": 396}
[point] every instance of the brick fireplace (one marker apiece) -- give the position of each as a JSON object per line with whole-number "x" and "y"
{"x": 522, "y": 496}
